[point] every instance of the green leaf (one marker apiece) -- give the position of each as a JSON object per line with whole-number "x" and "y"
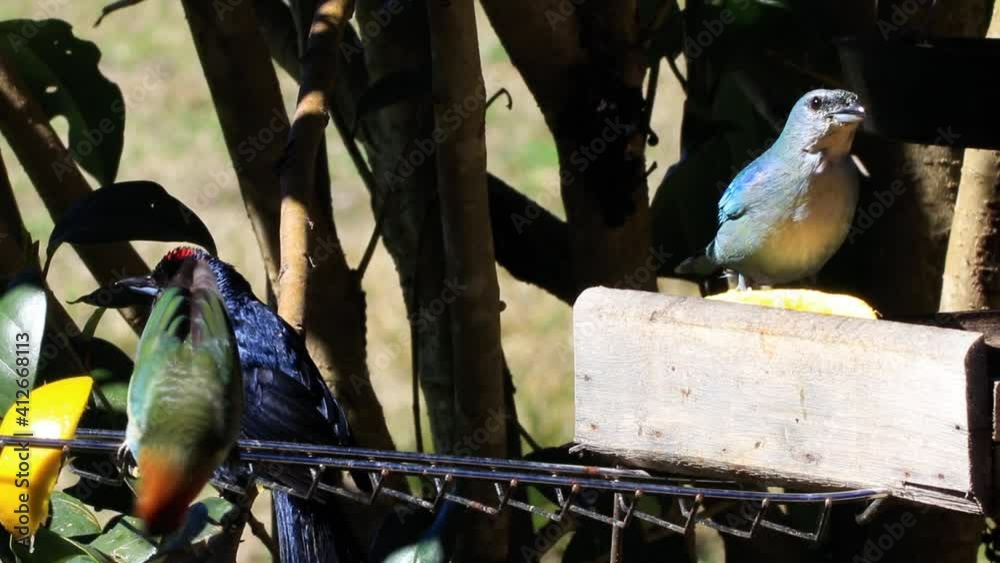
{"x": 207, "y": 519}
{"x": 50, "y": 547}
{"x": 71, "y": 518}
{"x": 90, "y": 329}
{"x": 124, "y": 541}
{"x": 116, "y": 392}
{"x": 62, "y": 74}
{"x": 128, "y": 211}
{"x": 22, "y": 321}
{"x": 220, "y": 510}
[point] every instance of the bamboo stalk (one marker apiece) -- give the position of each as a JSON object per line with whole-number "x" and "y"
{"x": 298, "y": 176}
{"x": 468, "y": 247}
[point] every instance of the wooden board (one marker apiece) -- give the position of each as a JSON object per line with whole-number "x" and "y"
{"x": 784, "y": 396}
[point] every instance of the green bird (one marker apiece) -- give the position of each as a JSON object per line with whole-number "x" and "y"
{"x": 185, "y": 398}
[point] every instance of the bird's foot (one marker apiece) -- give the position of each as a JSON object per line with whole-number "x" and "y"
{"x": 122, "y": 456}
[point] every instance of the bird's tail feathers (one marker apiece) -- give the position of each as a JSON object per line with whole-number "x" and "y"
{"x": 310, "y": 532}
{"x": 167, "y": 486}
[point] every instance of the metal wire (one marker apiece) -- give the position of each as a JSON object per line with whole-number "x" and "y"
{"x": 446, "y": 472}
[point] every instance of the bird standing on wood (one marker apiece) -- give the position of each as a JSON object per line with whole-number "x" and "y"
{"x": 286, "y": 400}
{"x": 786, "y": 214}
{"x": 185, "y": 397}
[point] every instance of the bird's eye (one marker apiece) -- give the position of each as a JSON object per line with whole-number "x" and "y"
{"x": 815, "y": 103}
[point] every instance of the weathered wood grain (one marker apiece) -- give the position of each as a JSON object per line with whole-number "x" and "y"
{"x": 784, "y": 396}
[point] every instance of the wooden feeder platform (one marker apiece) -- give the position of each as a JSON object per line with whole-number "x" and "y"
{"x": 785, "y": 398}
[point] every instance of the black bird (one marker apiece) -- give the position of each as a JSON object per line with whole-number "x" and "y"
{"x": 286, "y": 400}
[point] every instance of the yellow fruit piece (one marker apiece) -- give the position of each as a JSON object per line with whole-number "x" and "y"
{"x": 53, "y": 411}
{"x": 806, "y": 300}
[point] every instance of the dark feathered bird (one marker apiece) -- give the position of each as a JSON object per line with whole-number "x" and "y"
{"x": 285, "y": 400}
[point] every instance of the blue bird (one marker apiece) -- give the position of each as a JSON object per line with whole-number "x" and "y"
{"x": 786, "y": 214}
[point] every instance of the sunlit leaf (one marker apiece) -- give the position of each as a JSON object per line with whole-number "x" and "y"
{"x": 50, "y": 547}
{"x": 22, "y": 325}
{"x": 124, "y": 541}
{"x": 61, "y": 73}
{"x": 129, "y": 211}
{"x": 71, "y": 518}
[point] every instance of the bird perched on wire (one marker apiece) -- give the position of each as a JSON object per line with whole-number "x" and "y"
{"x": 286, "y": 400}
{"x": 786, "y": 214}
{"x": 185, "y": 397}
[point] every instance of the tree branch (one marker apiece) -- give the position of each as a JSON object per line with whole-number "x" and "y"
{"x": 585, "y": 69}
{"x": 234, "y": 58}
{"x": 39, "y": 150}
{"x": 13, "y": 236}
{"x": 971, "y": 279}
{"x": 298, "y": 175}
{"x": 314, "y": 267}
{"x": 17, "y": 253}
{"x": 468, "y": 246}
{"x": 531, "y": 243}
{"x": 536, "y": 252}
{"x": 276, "y": 24}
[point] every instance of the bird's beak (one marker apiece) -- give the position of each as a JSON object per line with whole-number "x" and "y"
{"x": 144, "y": 285}
{"x": 852, "y": 114}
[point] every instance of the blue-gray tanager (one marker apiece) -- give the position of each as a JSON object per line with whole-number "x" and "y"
{"x": 788, "y": 212}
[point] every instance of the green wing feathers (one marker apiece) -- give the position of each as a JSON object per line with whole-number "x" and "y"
{"x": 185, "y": 399}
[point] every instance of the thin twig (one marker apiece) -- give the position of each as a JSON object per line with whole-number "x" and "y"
{"x": 677, "y": 74}
{"x": 654, "y": 79}
{"x": 351, "y": 143}
{"x": 418, "y": 426}
{"x": 414, "y": 344}
{"x": 527, "y": 437}
{"x": 616, "y": 530}
{"x": 501, "y": 92}
{"x": 260, "y": 531}
{"x": 114, "y": 7}
{"x": 373, "y": 240}
{"x": 658, "y": 22}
